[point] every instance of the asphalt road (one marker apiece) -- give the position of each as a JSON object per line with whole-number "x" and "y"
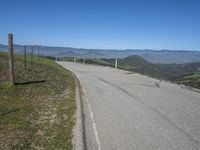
{"x": 127, "y": 111}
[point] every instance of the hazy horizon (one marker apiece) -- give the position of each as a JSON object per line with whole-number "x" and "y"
{"x": 105, "y": 48}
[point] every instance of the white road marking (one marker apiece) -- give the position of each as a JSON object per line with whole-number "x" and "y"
{"x": 93, "y": 122}
{"x": 91, "y": 115}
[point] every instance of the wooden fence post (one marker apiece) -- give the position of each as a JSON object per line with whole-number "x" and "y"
{"x": 11, "y": 61}
{"x": 25, "y": 56}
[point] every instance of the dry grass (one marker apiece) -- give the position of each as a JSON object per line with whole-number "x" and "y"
{"x": 36, "y": 115}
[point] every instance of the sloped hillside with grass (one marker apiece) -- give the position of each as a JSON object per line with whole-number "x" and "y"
{"x": 191, "y": 80}
{"x": 38, "y": 112}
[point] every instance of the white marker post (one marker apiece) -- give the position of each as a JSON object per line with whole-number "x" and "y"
{"x": 115, "y": 63}
{"x": 74, "y": 59}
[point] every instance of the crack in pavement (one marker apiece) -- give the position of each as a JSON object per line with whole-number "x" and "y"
{"x": 152, "y": 108}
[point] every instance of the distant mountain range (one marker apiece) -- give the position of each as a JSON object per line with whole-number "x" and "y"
{"x": 154, "y": 56}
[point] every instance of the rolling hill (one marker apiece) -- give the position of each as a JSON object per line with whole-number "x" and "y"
{"x": 154, "y": 56}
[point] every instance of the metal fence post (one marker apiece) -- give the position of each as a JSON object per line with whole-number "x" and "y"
{"x": 38, "y": 53}
{"x": 31, "y": 55}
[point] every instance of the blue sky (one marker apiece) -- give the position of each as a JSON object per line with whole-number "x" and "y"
{"x": 107, "y": 24}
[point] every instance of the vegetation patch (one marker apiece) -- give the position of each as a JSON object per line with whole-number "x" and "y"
{"x": 192, "y": 80}
{"x": 38, "y": 112}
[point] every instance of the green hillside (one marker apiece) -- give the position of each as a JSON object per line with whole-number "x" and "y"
{"x": 38, "y": 111}
{"x": 181, "y": 73}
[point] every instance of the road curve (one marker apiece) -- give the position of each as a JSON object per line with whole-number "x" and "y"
{"x": 127, "y": 111}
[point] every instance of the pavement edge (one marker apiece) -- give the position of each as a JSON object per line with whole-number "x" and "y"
{"x": 79, "y": 139}
{"x": 79, "y": 130}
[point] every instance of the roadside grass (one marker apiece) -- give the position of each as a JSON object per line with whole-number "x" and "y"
{"x": 39, "y": 111}
{"x": 192, "y": 80}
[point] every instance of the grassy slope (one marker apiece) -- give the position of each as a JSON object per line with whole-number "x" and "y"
{"x": 36, "y": 115}
{"x": 191, "y": 80}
